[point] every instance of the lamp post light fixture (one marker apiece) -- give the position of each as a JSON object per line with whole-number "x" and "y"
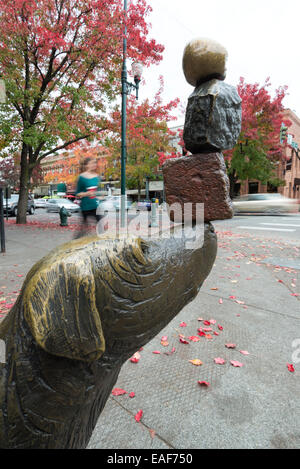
{"x": 127, "y": 87}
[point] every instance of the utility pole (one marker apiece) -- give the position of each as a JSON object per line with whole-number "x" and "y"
{"x": 126, "y": 88}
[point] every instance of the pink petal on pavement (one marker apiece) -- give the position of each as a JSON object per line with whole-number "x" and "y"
{"x": 219, "y": 361}
{"x": 236, "y": 363}
{"x": 138, "y": 416}
{"x": 135, "y": 358}
{"x": 118, "y": 392}
{"x": 290, "y": 367}
{"x": 203, "y": 383}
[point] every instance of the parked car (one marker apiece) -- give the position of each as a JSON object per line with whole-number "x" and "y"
{"x": 54, "y": 205}
{"x": 112, "y": 204}
{"x": 12, "y": 205}
{"x": 144, "y": 205}
{"x": 73, "y": 199}
{"x": 40, "y": 203}
{"x": 268, "y": 202}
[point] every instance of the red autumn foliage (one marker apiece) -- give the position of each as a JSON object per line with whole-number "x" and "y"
{"x": 61, "y": 61}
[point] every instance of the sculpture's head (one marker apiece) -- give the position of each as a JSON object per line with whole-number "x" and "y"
{"x": 94, "y": 295}
{"x": 204, "y": 59}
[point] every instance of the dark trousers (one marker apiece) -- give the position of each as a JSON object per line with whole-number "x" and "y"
{"x": 90, "y": 213}
{"x": 84, "y": 226}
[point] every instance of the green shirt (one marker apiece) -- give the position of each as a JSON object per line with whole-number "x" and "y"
{"x": 92, "y": 185}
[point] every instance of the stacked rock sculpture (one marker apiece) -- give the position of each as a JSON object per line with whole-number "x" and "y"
{"x": 212, "y": 124}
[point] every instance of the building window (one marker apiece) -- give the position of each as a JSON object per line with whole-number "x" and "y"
{"x": 289, "y": 162}
{"x": 253, "y": 188}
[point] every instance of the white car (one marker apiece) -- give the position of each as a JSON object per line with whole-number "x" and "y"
{"x": 40, "y": 203}
{"x": 111, "y": 204}
{"x": 54, "y": 205}
{"x": 267, "y": 202}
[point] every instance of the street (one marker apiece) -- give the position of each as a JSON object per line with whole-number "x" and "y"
{"x": 251, "y": 299}
{"x": 278, "y": 226}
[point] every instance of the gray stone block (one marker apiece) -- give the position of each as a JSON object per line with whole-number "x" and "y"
{"x": 213, "y": 118}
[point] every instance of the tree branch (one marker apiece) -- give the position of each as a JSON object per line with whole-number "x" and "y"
{"x": 61, "y": 147}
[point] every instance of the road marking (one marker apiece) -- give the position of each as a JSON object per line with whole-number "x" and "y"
{"x": 279, "y": 224}
{"x": 264, "y": 229}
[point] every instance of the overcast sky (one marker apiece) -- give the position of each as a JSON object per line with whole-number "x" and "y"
{"x": 262, "y": 38}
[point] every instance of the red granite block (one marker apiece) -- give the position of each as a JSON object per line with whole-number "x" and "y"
{"x": 196, "y": 179}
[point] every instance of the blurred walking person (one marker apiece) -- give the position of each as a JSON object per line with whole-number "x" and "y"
{"x": 88, "y": 187}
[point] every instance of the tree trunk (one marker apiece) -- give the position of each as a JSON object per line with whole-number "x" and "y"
{"x": 24, "y": 181}
{"x": 232, "y": 180}
{"x": 139, "y": 190}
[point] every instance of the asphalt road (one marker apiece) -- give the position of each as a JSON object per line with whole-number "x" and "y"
{"x": 285, "y": 226}
{"x": 279, "y": 227}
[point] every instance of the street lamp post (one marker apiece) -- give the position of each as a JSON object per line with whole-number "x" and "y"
{"x": 127, "y": 87}
{"x": 2, "y": 231}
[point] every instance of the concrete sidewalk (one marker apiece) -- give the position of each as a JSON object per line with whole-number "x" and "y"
{"x": 256, "y": 405}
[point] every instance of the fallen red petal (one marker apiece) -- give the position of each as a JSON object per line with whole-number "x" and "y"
{"x": 135, "y": 358}
{"x": 194, "y": 338}
{"x": 138, "y": 416}
{"x": 236, "y": 363}
{"x": 203, "y": 383}
{"x": 170, "y": 353}
{"x": 183, "y": 341}
{"x": 219, "y": 361}
{"x": 118, "y": 392}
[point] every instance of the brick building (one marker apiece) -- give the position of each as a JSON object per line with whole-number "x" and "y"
{"x": 288, "y": 169}
{"x": 291, "y": 168}
{"x": 52, "y": 166}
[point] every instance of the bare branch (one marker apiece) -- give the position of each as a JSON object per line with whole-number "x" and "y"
{"x": 61, "y": 147}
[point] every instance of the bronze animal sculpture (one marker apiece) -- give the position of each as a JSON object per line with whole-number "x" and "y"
{"x": 84, "y": 309}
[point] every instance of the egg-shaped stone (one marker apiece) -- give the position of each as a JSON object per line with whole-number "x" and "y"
{"x": 204, "y": 59}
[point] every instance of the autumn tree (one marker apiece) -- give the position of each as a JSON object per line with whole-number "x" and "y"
{"x": 61, "y": 62}
{"x": 10, "y": 173}
{"x": 148, "y": 136}
{"x": 177, "y": 146}
{"x": 258, "y": 149}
